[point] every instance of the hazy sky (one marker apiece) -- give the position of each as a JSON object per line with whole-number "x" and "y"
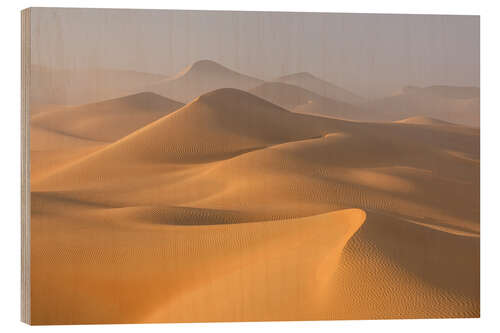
{"x": 370, "y": 54}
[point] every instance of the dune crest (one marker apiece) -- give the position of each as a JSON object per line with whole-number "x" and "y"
{"x": 384, "y": 262}
{"x": 201, "y": 77}
{"x": 233, "y": 257}
{"x": 218, "y": 125}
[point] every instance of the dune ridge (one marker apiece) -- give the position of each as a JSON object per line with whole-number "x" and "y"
{"x": 241, "y": 123}
{"x": 228, "y": 251}
{"x": 109, "y": 120}
{"x": 300, "y": 100}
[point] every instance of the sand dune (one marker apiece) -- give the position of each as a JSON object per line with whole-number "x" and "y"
{"x": 403, "y": 268}
{"x": 391, "y": 175}
{"x": 458, "y": 105}
{"x": 244, "y": 123}
{"x": 321, "y": 87}
{"x": 289, "y": 216}
{"x": 64, "y": 134}
{"x": 108, "y": 120}
{"x": 127, "y": 281}
{"x": 217, "y": 125}
{"x": 83, "y": 86}
{"x": 318, "y": 175}
{"x": 50, "y": 150}
{"x": 199, "y": 78}
{"x": 300, "y": 100}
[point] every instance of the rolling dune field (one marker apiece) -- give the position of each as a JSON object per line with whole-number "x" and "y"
{"x": 254, "y": 201}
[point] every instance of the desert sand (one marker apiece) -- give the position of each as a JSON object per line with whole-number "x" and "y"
{"x": 234, "y": 208}
{"x": 107, "y": 120}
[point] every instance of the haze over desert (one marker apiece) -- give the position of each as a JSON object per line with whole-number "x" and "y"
{"x": 214, "y": 194}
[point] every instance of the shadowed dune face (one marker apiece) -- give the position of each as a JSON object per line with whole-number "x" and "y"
{"x": 289, "y": 216}
{"x": 388, "y": 251}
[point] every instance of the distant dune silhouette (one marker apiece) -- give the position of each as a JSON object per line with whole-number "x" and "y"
{"x": 201, "y": 77}
{"x": 459, "y": 105}
{"x": 310, "y": 82}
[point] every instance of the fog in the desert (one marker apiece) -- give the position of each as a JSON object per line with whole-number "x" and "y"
{"x": 370, "y": 54}
{"x": 258, "y": 183}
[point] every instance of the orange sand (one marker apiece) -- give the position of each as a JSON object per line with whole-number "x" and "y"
{"x": 232, "y": 208}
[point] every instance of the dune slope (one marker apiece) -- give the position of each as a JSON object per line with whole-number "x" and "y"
{"x": 301, "y": 100}
{"x": 217, "y": 125}
{"x": 129, "y": 282}
{"x": 108, "y": 120}
{"x": 201, "y": 77}
{"x": 50, "y": 150}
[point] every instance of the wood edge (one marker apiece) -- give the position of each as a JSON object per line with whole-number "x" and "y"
{"x": 25, "y": 166}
